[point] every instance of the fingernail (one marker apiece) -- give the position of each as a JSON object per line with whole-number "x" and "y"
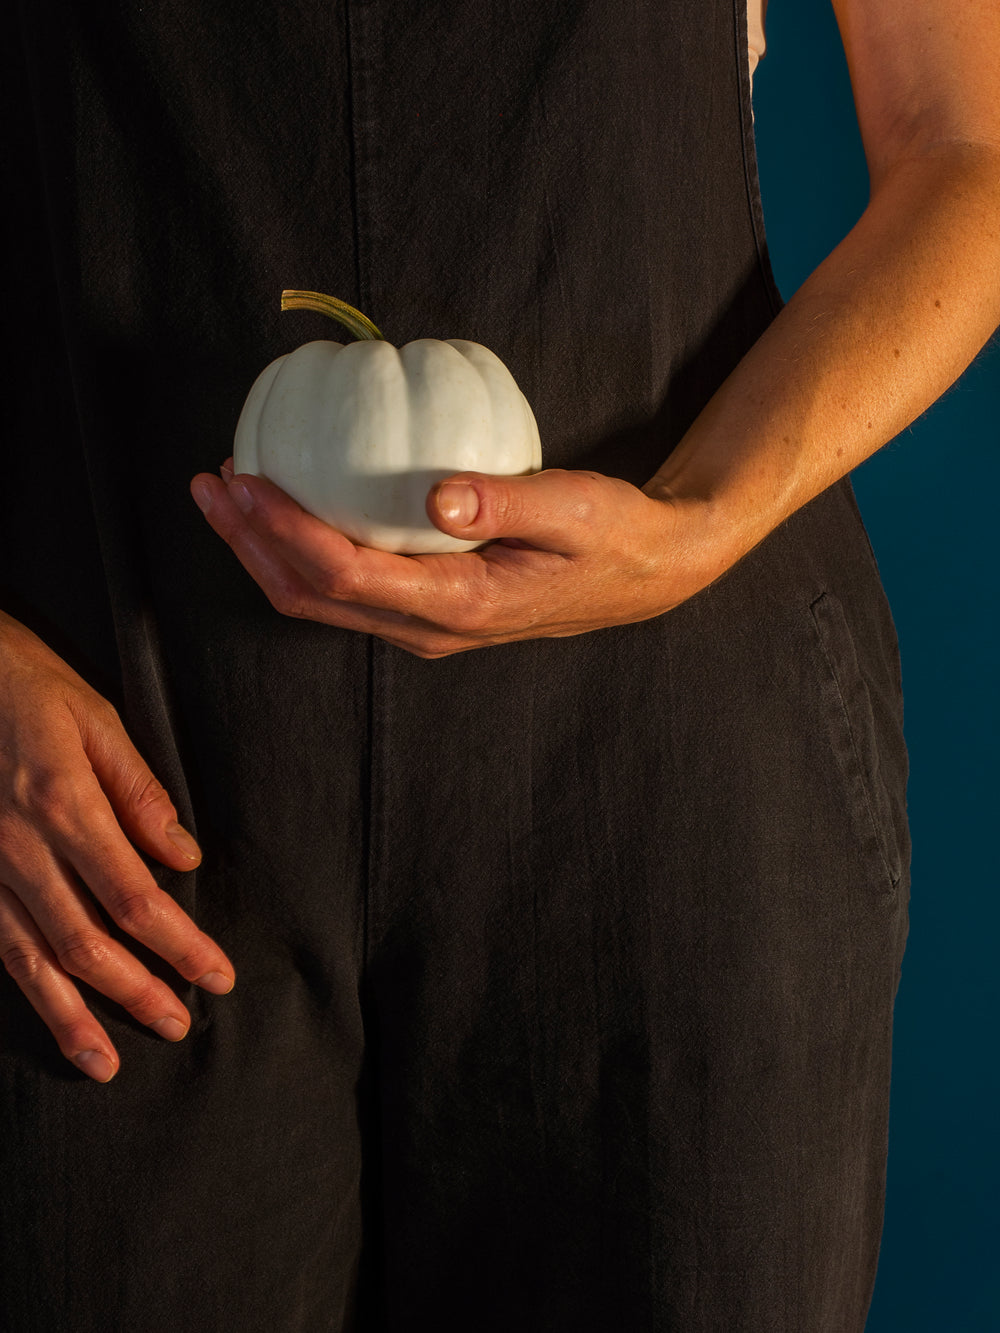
{"x": 216, "y": 983}
{"x": 202, "y": 494}
{"x": 243, "y": 498}
{"x": 458, "y": 502}
{"x": 171, "y": 1029}
{"x": 226, "y": 473}
{"x": 95, "y": 1066}
{"x": 183, "y": 841}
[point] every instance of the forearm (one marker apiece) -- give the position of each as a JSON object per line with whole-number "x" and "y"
{"x": 888, "y": 321}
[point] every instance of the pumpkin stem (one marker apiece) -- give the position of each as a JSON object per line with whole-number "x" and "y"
{"x": 358, "y": 324}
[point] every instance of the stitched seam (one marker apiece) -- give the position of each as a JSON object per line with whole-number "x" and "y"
{"x": 875, "y": 823}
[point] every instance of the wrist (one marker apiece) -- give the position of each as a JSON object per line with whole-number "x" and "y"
{"x": 708, "y": 537}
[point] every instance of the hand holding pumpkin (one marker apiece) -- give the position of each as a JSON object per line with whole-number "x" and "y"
{"x": 358, "y": 433}
{"x": 567, "y": 552}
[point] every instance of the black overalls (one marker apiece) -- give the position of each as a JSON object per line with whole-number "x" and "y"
{"x": 565, "y": 969}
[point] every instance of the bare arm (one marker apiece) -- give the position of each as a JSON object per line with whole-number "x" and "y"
{"x": 879, "y": 331}
{"x": 900, "y": 307}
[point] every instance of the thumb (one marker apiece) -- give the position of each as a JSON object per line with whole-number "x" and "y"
{"x": 547, "y": 509}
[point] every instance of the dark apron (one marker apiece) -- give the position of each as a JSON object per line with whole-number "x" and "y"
{"x": 565, "y": 969}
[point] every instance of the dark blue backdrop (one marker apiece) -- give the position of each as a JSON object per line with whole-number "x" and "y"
{"x": 929, "y": 502}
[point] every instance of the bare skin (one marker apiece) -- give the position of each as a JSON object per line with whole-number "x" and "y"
{"x": 885, "y": 324}
{"x": 872, "y": 338}
{"x": 76, "y": 800}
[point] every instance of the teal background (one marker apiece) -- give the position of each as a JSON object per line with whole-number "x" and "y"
{"x": 928, "y": 500}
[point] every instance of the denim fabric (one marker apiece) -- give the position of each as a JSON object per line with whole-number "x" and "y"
{"x": 565, "y": 969}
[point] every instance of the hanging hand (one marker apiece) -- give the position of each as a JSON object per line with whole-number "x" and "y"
{"x": 76, "y": 802}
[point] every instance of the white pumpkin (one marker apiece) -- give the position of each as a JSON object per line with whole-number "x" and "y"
{"x": 358, "y": 434}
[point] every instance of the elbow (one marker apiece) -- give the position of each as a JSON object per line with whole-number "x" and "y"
{"x": 928, "y": 138}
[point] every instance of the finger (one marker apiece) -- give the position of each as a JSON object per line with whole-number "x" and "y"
{"x": 66, "y": 813}
{"x": 140, "y": 803}
{"x": 67, "y": 817}
{"x": 54, "y": 902}
{"x": 553, "y": 510}
{"x": 118, "y": 879}
{"x": 52, "y": 994}
{"x": 255, "y": 552}
{"x": 310, "y": 570}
